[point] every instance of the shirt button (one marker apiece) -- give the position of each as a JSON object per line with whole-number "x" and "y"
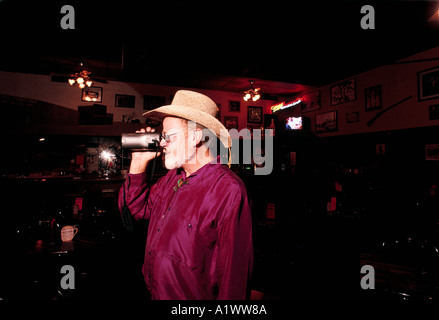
{"x": 158, "y": 229}
{"x": 189, "y": 225}
{"x": 163, "y": 216}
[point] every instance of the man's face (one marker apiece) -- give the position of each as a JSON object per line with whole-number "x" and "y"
{"x": 176, "y": 150}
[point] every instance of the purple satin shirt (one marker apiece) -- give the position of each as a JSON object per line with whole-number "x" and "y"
{"x": 199, "y": 243}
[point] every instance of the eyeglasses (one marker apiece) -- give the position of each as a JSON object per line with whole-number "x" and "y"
{"x": 167, "y": 136}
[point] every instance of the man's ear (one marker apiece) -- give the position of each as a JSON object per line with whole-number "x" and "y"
{"x": 198, "y": 136}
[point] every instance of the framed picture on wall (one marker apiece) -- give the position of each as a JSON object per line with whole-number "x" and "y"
{"x": 234, "y": 106}
{"x": 428, "y": 84}
{"x": 311, "y": 101}
{"x": 152, "y": 102}
{"x": 125, "y": 101}
{"x": 432, "y": 152}
{"x": 373, "y": 98}
{"x": 352, "y": 117}
{"x": 254, "y": 114}
{"x": 92, "y": 94}
{"x": 231, "y": 122}
{"x": 343, "y": 92}
{"x": 326, "y": 122}
{"x": 433, "y": 112}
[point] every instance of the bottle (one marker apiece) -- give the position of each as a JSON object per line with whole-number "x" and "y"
{"x": 272, "y": 127}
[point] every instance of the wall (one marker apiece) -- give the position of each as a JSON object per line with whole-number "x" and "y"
{"x": 397, "y": 81}
{"x": 40, "y": 87}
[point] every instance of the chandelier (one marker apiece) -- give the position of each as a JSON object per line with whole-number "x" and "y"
{"x": 81, "y": 78}
{"x": 252, "y": 93}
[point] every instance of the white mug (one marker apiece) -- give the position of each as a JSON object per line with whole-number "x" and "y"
{"x": 68, "y": 233}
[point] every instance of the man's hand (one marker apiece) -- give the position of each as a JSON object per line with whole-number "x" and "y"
{"x": 140, "y": 160}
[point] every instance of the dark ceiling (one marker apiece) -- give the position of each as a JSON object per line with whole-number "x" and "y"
{"x": 217, "y": 45}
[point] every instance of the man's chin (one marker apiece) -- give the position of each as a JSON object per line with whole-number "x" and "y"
{"x": 171, "y": 164}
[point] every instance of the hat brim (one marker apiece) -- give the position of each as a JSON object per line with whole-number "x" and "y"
{"x": 191, "y": 114}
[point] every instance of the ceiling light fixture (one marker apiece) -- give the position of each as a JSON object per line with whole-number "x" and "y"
{"x": 252, "y": 93}
{"x": 81, "y": 78}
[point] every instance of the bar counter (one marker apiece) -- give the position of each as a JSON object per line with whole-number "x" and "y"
{"x": 302, "y": 252}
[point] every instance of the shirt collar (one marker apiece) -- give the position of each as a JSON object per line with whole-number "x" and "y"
{"x": 201, "y": 172}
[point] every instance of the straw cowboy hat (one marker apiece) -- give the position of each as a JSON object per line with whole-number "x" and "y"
{"x": 196, "y": 107}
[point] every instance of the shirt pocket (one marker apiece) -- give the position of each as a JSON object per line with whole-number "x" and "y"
{"x": 184, "y": 243}
{"x": 188, "y": 231}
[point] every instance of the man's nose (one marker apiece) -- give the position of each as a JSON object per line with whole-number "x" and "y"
{"x": 163, "y": 142}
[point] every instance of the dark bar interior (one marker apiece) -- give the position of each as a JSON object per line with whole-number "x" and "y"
{"x": 352, "y": 97}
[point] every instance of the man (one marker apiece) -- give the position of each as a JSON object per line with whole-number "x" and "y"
{"x": 199, "y": 243}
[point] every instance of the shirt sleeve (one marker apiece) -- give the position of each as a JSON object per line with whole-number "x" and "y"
{"x": 235, "y": 256}
{"x": 136, "y": 196}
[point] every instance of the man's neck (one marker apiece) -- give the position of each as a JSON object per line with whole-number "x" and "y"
{"x": 200, "y": 161}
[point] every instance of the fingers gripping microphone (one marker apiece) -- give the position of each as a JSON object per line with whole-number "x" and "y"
{"x": 145, "y": 141}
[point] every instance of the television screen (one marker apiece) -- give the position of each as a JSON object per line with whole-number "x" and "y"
{"x": 294, "y": 123}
